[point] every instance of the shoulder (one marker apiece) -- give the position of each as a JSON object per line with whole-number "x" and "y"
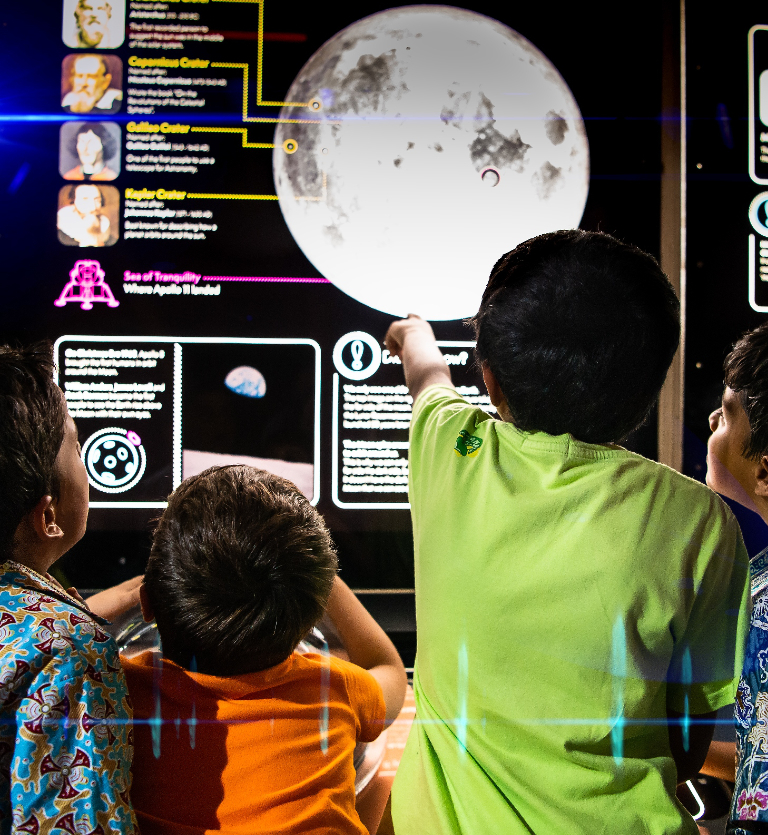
{"x": 685, "y": 496}
{"x": 442, "y": 408}
{"x": 49, "y": 632}
{"x": 342, "y": 674}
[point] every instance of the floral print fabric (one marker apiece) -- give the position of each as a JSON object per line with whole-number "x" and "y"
{"x": 65, "y": 718}
{"x": 750, "y": 796}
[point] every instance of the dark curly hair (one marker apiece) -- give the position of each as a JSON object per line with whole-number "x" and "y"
{"x": 579, "y": 330}
{"x": 240, "y": 570}
{"x": 746, "y": 373}
{"x": 33, "y": 417}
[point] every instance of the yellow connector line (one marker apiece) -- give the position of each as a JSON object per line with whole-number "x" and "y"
{"x": 263, "y": 196}
{"x": 259, "y": 67}
{"x": 243, "y": 131}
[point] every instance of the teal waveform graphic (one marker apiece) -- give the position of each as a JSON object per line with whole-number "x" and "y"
{"x": 325, "y": 689}
{"x": 687, "y": 680}
{"x": 463, "y": 685}
{"x": 619, "y": 672}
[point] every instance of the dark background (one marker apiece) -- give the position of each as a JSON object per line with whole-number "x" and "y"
{"x": 719, "y": 194}
{"x": 611, "y": 57}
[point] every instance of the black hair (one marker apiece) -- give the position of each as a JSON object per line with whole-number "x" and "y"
{"x": 33, "y": 417}
{"x": 579, "y": 330}
{"x": 108, "y": 143}
{"x": 240, "y": 570}
{"x": 746, "y": 373}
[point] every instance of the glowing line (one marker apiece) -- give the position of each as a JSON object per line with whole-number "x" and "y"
{"x": 325, "y": 691}
{"x": 236, "y": 196}
{"x": 117, "y": 723}
{"x": 696, "y": 797}
{"x": 463, "y": 685}
{"x": 156, "y": 722}
{"x": 192, "y": 721}
{"x": 278, "y": 279}
{"x": 177, "y": 453}
{"x": 687, "y": 679}
{"x": 619, "y": 670}
{"x": 243, "y": 131}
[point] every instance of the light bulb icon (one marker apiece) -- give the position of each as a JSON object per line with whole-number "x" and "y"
{"x": 357, "y": 354}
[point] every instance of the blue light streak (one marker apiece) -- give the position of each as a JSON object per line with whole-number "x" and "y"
{"x": 619, "y": 671}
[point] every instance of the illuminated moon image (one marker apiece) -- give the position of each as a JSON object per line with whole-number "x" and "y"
{"x": 436, "y": 139}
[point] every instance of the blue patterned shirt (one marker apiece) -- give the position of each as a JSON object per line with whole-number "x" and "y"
{"x": 65, "y": 718}
{"x": 750, "y": 796}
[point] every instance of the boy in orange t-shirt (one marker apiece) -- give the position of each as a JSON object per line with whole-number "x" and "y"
{"x": 234, "y": 731}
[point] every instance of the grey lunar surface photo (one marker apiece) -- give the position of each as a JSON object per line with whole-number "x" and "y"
{"x": 435, "y": 140}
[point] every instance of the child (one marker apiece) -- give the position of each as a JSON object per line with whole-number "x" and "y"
{"x": 234, "y": 731}
{"x": 65, "y": 750}
{"x": 737, "y": 467}
{"x": 571, "y": 597}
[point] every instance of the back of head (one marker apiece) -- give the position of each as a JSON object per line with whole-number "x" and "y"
{"x": 746, "y": 373}
{"x": 579, "y": 330}
{"x": 240, "y": 570}
{"x": 33, "y": 417}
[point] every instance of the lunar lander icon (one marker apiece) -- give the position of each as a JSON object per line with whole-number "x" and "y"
{"x": 86, "y": 285}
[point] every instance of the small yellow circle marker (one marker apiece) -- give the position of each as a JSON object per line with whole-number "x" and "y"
{"x": 290, "y": 146}
{"x": 315, "y": 104}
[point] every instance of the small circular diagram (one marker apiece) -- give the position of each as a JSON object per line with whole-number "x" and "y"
{"x": 114, "y": 459}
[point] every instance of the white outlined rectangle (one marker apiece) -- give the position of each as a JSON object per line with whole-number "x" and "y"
{"x": 753, "y": 277}
{"x": 335, "y": 446}
{"x": 752, "y": 115}
{"x": 178, "y": 342}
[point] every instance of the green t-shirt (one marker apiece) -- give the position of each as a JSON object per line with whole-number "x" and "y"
{"x": 566, "y": 593}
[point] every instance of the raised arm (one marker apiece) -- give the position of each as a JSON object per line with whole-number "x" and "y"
{"x": 368, "y": 646}
{"x": 413, "y": 341}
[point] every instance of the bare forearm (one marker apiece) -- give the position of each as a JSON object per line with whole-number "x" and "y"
{"x": 721, "y": 761}
{"x": 414, "y": 342}
{"x": 367, "y": 645}
{"x": 423, "y": 364}
{"x": 116, "y": 600}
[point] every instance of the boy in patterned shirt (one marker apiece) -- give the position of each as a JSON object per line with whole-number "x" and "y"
{"x": 737, "y": 467}
{"x": 65, "y": 717}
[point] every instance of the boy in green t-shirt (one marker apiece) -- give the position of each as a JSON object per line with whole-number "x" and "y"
{"x": 581, "y": 610}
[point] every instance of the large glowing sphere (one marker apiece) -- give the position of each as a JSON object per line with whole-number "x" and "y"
{"x": 439, "y": 140}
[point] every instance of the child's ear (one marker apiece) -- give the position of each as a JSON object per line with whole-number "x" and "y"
{"x": 492, "y": 385}
{"x": 761, "y": 478}
{"x": 495, "y": 393}
{"x": 146, "y": 606}
{"x": 43, "y": 519}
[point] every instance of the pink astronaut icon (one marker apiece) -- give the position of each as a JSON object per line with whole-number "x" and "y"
{"x": 86, "y": 285}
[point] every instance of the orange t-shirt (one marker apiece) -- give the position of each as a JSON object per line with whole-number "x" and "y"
{"x": 267, "y": 752}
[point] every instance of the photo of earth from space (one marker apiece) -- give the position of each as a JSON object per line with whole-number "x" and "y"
{"x": 419, "y": 145}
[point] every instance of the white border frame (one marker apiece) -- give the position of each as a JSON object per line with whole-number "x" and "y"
{"x": 752, "y": 118}
{"x": 753, "y": 277}
{"x": 335, "y": 446}
{"x": 177, "y": 342}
